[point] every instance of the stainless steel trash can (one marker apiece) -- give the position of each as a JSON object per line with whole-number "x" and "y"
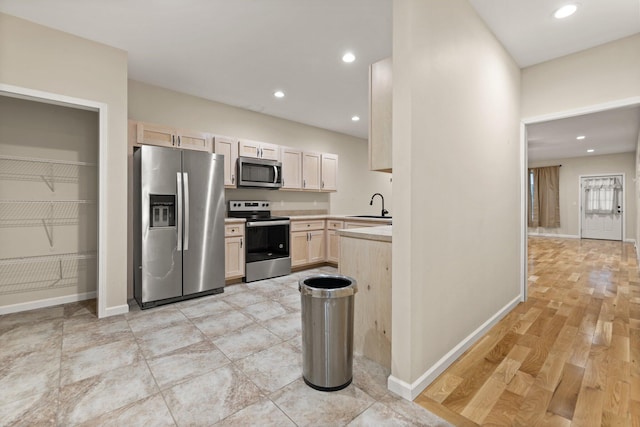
{"x": 327, "y": 330}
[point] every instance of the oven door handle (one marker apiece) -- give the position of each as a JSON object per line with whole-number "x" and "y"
{"x": 268, "y": 223}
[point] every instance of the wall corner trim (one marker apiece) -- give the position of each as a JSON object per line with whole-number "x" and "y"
{"x": 411, "y": 391}
{"x": 116, "y": 310}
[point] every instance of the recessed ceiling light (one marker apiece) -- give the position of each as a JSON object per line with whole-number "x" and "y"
{"x": 355, "y": 118}
{"x": 348, "y": 57}
{"x": 581, "y": 137}
{"x": 590, "y": 150}
{"x": 565, "y": 11}
{"x": 278, "y": 94}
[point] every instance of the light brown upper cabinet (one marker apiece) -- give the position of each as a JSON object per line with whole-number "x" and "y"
{"x": 329, "y": 175}
{"x": 291, "y": 159}
{"x": 228, "y": 147}
{"x": 258, "y": 150}
{"x": 380, "y": 115}
{"x": 311, "y": 166}
{"x": 152, "y": 134}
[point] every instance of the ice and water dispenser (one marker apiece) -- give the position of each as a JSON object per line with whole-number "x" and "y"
{"x": 163, "y": 210}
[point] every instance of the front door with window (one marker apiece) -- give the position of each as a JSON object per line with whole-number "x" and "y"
{"x": 601, "y": 207}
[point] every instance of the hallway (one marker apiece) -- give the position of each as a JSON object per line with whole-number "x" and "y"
{"x": 569, "y": 356}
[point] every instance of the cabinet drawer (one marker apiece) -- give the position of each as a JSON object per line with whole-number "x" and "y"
{"x": 307, "y": 225}
{"x": 234, "y": 230}
{"x": 335, "y": 225}
{"x": 358, "y": 224}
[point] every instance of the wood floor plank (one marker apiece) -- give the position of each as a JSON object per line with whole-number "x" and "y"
{"x": 521, "y": 383}
{"x": 443, "y": 412}
{"x": 563, "y": 402}
{"x": 482, "y": 402}
{"x": 588, "y": 407}
{"x": 443, "y": 387}
{"x": 533, "y": 407}
{"x": 505, "y": 410}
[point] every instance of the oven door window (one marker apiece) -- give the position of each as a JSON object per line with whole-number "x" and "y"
{"x": 267, "y": 242}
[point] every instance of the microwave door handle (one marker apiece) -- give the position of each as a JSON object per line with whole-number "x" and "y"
{"x": 179, "y": 185}
{"x": 186, "y": 211}
{"x": 275, "y": 169}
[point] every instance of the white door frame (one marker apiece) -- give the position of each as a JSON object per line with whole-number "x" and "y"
{"x": 624, "y": 201}
{"x": 627, "y": 102}
{"x": 101, "y": 109}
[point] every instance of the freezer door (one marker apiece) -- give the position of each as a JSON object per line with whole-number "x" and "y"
{"x": 203, "y": 255}
{"x": 161, "y": 257}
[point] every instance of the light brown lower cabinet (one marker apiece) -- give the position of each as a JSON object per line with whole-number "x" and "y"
{"x": 307, "y": 242}
{"x": 234, "y": 251}
{"x": 333, "y": 240}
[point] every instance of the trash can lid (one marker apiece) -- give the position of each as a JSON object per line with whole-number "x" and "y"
{"x": 327, "y": 286}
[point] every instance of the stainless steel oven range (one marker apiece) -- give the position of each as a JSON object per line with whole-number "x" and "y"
{"x": 266, "y": 239}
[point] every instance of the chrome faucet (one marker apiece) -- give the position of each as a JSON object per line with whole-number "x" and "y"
{"x": 384, "y": 211}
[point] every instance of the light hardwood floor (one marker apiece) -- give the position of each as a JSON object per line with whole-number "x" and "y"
{"x": 569, "y": 356}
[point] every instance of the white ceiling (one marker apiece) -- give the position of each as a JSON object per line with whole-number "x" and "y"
{"x": 240, "y": 51}
{"x": 606, "y": 132}
{"x": 528, "y": 30}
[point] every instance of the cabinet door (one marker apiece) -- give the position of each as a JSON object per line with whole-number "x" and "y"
{"x": 299, "y": 248}
{"x": 233, "y": 257}
{"x": 151, "y": 134}
{"x": 190, "y": 140}
{"x": 311, "y": 171}
{"x": 228, "y": 147}
{"x": 291, "y": 168}
{"x": 329, "y": 180}
{"x": 269, "y": 151}
{"x": 249, "y": 148}
{"x": 316, "y": 246}
{"x": 333, "y": 246}
{"x": 380, "y": 117}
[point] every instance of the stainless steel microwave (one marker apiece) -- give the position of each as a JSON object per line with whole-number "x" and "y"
{"x": 260, "y": 173}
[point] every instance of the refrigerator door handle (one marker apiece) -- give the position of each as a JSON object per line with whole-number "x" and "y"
{"x": 179, "y": 185}
{"x": 186, "y": 211}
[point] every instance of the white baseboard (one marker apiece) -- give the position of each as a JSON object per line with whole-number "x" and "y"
{"x": 411, "y": 391}
{"x": 562, "y": 236}
{"x": 48, "y": 302}
{"x": 116, "y": 310}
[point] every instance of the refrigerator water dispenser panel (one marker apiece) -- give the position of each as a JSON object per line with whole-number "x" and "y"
{"x": 163, "y": 210}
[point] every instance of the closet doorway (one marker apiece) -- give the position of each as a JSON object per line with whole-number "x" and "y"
{"x": 50, "y": 191}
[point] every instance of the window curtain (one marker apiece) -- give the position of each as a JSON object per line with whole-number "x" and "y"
{"x": 601, "y": 195}
{"x": 544, "y": 197}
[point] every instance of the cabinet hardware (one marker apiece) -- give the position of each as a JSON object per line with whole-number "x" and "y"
{"x": 233, "y": 179}
{"x": 178, "y": 140}
{"x": 304, "y": 183}
{"x": 322, "y": 184}
{"x": 173, "y": 140}
{"x": 241, "y": 243}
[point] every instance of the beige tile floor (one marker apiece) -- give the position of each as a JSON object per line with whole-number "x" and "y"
{"x": 232, "y": 359}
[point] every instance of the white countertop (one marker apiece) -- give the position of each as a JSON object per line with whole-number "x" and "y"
{"x": 381, "y": 233}
{"x": 340, "y": 217}
{"x": 234, "y": 220}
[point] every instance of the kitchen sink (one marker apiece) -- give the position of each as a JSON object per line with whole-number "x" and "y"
{"x": 370, "y": 216}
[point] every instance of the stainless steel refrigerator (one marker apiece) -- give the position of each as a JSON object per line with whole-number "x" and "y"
{"x": 178, "y": 224}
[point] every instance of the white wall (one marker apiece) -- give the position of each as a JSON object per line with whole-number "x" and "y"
{"x": 570, "y": 172}
{"x": 40, "y": 58}
{"x": 606, "y": 73}
{"x": 456, "y": 239}
{"x": 356, "y": 183}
